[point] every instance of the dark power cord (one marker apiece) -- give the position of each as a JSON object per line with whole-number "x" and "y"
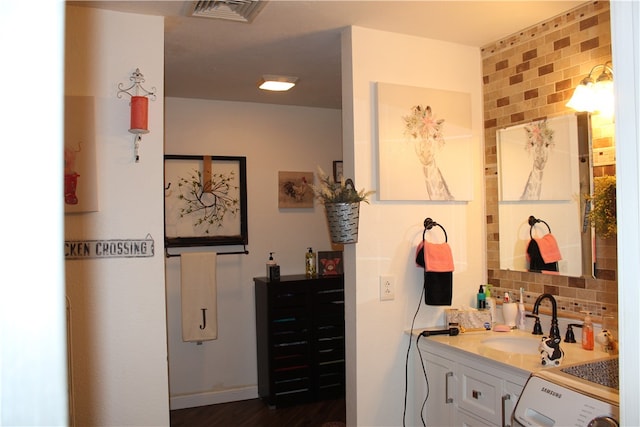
{"x": 406, "y": 364}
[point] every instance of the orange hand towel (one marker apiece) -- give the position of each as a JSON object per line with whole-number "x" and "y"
{"x": 549, "y": 248}
{"x": 438, "y": 257}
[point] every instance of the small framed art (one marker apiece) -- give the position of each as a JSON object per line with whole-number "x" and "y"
{"x": 294, "y": 190}
{"x": 337, "y": 170}
{"x": 330, "y": 263}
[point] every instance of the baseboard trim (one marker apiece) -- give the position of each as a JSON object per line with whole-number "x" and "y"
{"x": 212, "y": 397}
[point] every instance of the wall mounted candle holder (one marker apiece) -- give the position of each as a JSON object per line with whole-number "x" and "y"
{"x": 139, "y": 107}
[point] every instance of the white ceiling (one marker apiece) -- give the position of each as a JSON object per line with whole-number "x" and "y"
{"x": 223, "y": 60}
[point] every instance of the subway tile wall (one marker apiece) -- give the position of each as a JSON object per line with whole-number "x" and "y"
{"x": 528, "y": 76}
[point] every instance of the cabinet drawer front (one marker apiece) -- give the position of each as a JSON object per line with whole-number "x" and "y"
{"x": 292, "y": 320}
{"x": 468, "y": 420}
{"x": 290, "y": 349}
{"x": 332, "y": 329}
{"x": 330, "y": 354}
{"x": 480, "y": 394}
{"x": 329, "y": 295}
{"x": 294, "y": 383}
{"x": 290, "y": 362}
{"x": 289, "y": 296}
{"x": 331, "y": 385}
{"x": 289, "y": 336}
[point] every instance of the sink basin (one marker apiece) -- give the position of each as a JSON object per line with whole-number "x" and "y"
{"x": 519, "y": 345}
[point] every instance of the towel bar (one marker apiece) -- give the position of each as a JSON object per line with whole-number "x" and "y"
{"x": 243, "y": 252}
{"x": 429, "y": 224}
{"x": 533, "y": 221}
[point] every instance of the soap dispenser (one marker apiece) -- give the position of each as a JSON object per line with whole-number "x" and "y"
{"x": 481, "y": 303}
{"x": 587, "y": 331}
{"x": 273, "y": 269}
{"x": 310, "y": 263}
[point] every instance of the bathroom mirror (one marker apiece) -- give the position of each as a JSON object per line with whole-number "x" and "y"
{"x": 545, "y": 170}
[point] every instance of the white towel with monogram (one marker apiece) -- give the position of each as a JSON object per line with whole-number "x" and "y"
{"x": 198, "y": 296}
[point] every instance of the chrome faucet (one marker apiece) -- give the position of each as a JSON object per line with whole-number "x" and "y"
{"x": 555, "y": 331}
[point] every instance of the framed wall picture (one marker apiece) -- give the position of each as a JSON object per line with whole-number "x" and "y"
{"x": 424, "y": 140}
{"x": 535, "y": 160}
{"x": 294, "y": 190}
{"x": 80, "y": 181}
{"x": 330, "y": 263}
{"x": 205, "y": 200}
{"x": 337, "y": 170}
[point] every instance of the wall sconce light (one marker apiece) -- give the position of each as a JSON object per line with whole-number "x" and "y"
{"x": 139, "y": 107}
{"x": 595, "y": 95}
{"x": 277, "y": 83}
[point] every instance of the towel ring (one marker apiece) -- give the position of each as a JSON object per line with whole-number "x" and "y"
{"x": 429, "y": 224}
{"x": 533, "y": 221}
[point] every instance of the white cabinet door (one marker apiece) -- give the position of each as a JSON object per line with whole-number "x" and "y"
{"x": 463, "y": 390}
{"x": 510, "y": 397}
{"x": 439, "y": 391}
{"x": 479, "y": 393}
{"x": 467, "y": 420}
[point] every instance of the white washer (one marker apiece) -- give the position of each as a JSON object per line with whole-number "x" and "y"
{"x": 583, "y": 394}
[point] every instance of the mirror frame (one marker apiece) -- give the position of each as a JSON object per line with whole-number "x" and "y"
{"x": 520, "y": 85}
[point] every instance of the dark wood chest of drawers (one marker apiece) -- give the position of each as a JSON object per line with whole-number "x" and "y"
{"x": 300, "y": 338}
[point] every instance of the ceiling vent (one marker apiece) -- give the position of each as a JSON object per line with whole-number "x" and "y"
{"x": 231, "y": 10}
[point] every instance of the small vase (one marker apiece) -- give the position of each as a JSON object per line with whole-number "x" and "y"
{"x": 343, "y": 221}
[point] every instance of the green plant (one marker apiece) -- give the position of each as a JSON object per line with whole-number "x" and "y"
{"x": 330, "y": 191}
{"x": 603, "y": 215}
{"x": 209, "y": 200}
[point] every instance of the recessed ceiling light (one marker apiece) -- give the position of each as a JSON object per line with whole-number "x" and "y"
{"x": 277, "y": 83}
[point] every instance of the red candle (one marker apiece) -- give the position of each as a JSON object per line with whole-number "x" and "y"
{"x": 139, "y": 114}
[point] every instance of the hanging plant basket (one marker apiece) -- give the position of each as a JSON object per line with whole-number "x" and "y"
{"x": 342, "y": 204}
{"x": 343, "y": 221}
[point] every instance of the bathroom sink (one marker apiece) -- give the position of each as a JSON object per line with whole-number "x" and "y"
{"x": 519, "y": 345}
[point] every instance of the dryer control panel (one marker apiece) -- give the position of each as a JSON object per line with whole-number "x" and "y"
{"x": 545, "y": 403}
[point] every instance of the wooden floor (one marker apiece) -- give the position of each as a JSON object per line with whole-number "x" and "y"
{"x": 255, "y": 413}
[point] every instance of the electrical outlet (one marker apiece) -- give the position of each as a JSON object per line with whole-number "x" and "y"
{"x": 387, "y": 288}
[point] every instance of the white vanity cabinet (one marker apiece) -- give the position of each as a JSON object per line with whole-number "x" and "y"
{"x": 464, "y": 389}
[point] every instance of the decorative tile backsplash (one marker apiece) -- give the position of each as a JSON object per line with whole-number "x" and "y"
{"x": 528, "y": 76}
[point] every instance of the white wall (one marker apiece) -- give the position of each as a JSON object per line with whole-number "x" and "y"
{"x": 625, "y": 31}
{"x": 272, "y": 138}
{"x": 33, "y": 380}
{"x": 119, "y": 350}
{"x": 390, "y": 231}
{"x": 26, "y": 393}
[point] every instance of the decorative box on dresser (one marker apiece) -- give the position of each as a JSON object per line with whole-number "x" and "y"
{"x": 300, "y": 338}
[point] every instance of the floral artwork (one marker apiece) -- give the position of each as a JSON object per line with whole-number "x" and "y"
{"x": 539, "y": 145}
{"x": 294, "y": 191}
{"x": 80, "y": 182}
{"x": 425, "y": 144}
{"x": 427, "y": 132}
{"x": 534, "y": 159}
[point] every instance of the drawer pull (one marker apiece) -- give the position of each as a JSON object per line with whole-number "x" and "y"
{"x": 504, "y": 409}
{"x": 476, "y": 394}
{"x": 447, "y": 399}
